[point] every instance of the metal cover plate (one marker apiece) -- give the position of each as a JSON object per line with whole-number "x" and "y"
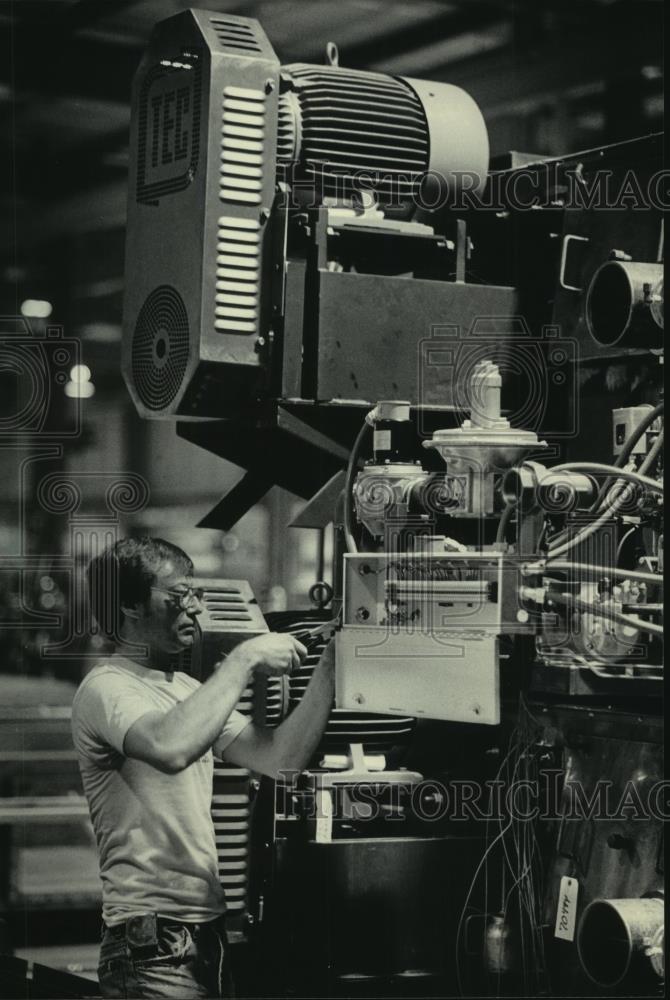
{"x": 444, "y": 675}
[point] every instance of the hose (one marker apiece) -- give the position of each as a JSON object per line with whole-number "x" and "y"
{"x": 503, "y": 523}
{"x": 616, "y": 616}
{"x": 595, "y": 571}
{"x": 598, "y": 468}
{"x": 636, "y": 477}
{"x": 627, "y": 450}
{"x": 352, "y": 465}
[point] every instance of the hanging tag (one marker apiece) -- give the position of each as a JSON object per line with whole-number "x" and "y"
{"x": 566, "y": 911}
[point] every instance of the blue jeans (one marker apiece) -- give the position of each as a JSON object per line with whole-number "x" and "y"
{"x": 186, "y": 961}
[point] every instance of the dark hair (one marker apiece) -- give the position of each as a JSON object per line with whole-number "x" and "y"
{"x": 123, "y": 575}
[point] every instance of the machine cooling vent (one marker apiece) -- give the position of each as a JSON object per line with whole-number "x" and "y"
{"x": 230, "y": 817}
{"x": 287, "y": 128}
{"x": 238, "y": 266}
{"x": 355, "y": 123}
{"x": 226, "y": 604}
{"x": 160, "y": 348}
{"x": 377, "y": 733}
{"x": 242, "y": 145}
{"x": 235, "y": 34}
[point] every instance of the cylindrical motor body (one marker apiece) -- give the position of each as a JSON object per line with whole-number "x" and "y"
{"x": 416, "y": 144}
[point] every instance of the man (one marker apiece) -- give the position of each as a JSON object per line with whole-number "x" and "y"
{"x": 145, "y": 736}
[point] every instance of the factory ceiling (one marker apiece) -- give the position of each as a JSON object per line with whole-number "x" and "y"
{"x": 67, "y": 66}
{"x": 592, "y": 67}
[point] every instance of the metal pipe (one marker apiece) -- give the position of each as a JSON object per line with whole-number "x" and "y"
{"x": 590, "y": 570}
{"x": 613, "y": 507}
{"x": 586, "y": 607}
{"x": 621, "y": 938}
{"x": 624, "y": 304}
{"x": 628, "y": 447}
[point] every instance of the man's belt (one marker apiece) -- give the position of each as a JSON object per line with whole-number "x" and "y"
{"x": 141, "y": 931}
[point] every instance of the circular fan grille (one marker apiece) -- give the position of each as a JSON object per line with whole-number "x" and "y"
{"x": 160, "y": 348}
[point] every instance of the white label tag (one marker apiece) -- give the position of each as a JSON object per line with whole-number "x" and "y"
{"x": 382, "y": 441}
{"x": 566, "y": 911}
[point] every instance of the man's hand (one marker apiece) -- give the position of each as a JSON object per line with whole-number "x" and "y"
{"x": 289, "y": 747}
{"x": 273, "y": 654}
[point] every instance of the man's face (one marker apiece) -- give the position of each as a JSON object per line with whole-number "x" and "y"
{"x": 166, "y": 626}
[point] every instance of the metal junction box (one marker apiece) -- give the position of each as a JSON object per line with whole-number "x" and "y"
{"x": 420, "y": 636}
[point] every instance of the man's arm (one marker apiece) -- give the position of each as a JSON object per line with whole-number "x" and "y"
{"x": 290, "y": 746}
{"x": 172, "y": 740}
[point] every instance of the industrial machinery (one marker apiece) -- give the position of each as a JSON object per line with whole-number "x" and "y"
{"x": 457, "y": 364}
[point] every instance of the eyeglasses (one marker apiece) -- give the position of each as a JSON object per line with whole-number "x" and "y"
{"x": 186, "y": 599}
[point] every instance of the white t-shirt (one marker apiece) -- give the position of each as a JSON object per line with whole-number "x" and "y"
{"x": 154, "y": 830}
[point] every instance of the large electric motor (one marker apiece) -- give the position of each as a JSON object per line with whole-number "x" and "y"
{"x": 223, "y": 139}
{"x": 411, "y": 142}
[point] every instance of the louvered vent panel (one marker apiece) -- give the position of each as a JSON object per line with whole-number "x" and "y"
{"x": 275, "y": 700}
{"x": 377, "y": 733}
{"x": 238, "y": 264}
{"x": 230, "y": 816}
{"x": 229, "y": 606}
{"x": 230, "y": 614}
{"x": 236, "y": 35}
{"x": 242, "y": 145}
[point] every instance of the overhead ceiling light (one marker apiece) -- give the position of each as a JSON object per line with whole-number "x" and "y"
{"x": 36, "y": 309}
{"x": 80, "y": 385}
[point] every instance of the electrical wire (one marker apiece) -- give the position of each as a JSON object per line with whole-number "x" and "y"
{"x": 636, "y": 477}
{"x": 623, "y": 540}
{"x": 517, "y": 840}
{"x": 600, "y": 468}
{"x": 616, "y": 616}
{"x": 587, "y": 569}
{"x": 483, "y": 861}
{"x": 503, "y": 523}
{"x": 627, "y": 451}
{"x": 352, "y": 465}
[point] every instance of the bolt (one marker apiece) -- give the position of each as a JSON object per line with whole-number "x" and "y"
{"x": 619, "y": 255}
{"x": 362, "y": 615}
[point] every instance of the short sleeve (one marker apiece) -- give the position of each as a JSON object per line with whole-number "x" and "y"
{"x": 104, "y": 709}
{"x": 234, "y": 725}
